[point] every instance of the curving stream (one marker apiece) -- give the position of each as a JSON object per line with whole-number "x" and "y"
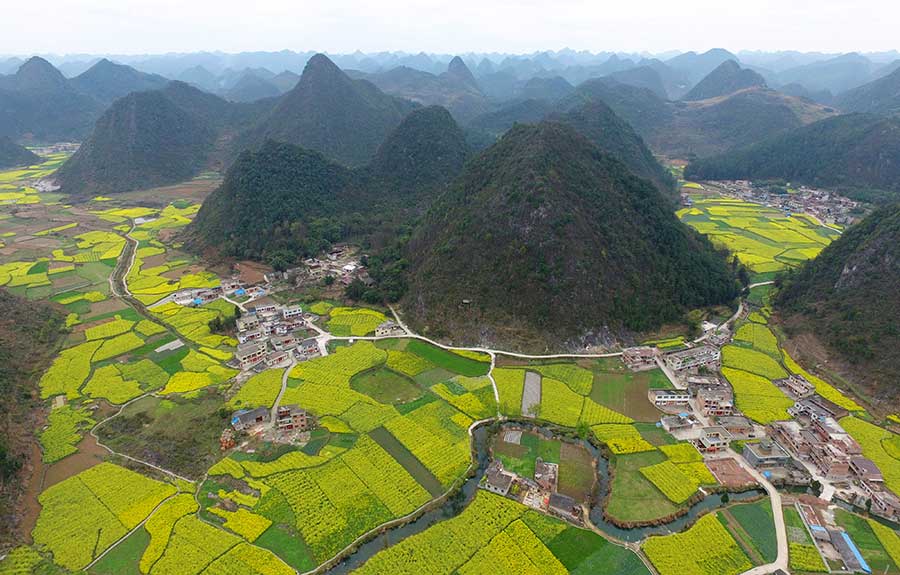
{"x": 481, "y": 439}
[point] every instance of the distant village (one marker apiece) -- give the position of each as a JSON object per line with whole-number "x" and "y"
{"x": 826, "y": 206}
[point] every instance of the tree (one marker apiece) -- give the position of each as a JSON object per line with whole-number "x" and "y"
{"x": 281, "y": 260}
{"x": 329, "y": 280}
{"x": 355, "y": 290}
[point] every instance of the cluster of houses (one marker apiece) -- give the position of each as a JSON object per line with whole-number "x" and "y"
{"x": 828, "y": 207}
{"x": 539, "y": 492}
{"x": 341, "y": 263}
{"x": 272, "y": 334}
{"x": 283, "y": 422}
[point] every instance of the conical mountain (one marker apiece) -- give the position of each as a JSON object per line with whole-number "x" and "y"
{"x": 250, "y": 88}
{"x": 614, "y": 136}
{"x": 12, "y": 154}
{"x": 38, "y": 102}
{"x": 427, "y": 150}
{"x": 269, "y": 198}
{"x": 544, "y": 239}
{"x": 327, "y": 111}
{"x": 107, "y": 81}
{"x": 848, "y": 299}
{"x": 458, "y": 71}
{"x": 726, "y": 79}
{"x": 38, "y": 75}
{"x": 143, "y": 140}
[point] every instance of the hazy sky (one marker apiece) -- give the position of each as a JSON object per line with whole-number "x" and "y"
{"x": 155, "y": 26}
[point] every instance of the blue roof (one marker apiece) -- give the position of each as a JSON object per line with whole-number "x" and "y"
{"x": 239, "y": 291}
{"x": 817, "y": 528}
{"x": 198, "y": 301}
{"x": 862, "y": 562}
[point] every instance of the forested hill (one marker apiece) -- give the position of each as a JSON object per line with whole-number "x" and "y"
{"x": 143, "y": 140}
{"x": 344, "y": 119}
{"x": 879, "y": 97}
{"x": 854, "y": 151}
{"x": 12, "y": 154}
{"x": 728, "y": 78}
{"x": 283, "y": 198}
{"x": 550, "y": 240}
{"x": 848, "y": 297}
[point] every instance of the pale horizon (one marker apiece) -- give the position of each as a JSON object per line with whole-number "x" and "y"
{"x": 143, "y": 27}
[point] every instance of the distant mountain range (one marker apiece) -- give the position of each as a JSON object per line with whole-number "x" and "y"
{"x": 847, "y": 299}
{"x": 545, "y": 239}
{"x": 12, "y": 154}
{"x": 853, "y": 151}
{"x": 881, "y": 96}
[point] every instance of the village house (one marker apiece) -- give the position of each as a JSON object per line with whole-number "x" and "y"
{"x": 496, "y": 479}
{"x": 244, "y": 419}
{"x": 278, "y": 357}
{"x": 737, "y": 425}
{"x": 293, "y": 418}
{"x": 291, "y": 312}
{"x": 250, "y": 353}
{"x": 388, "y": 328}
{"x": 884, "y": 503}
{"x": 673, "y": 423}
{"x": 865, "y": 469}
{"x": 702, "y": 356}
{"x": 713, "y": 439}
{"x": 765, "y": 454}
{"x": 247, "y": 322}
{"x": 265, "y": 308}
{"x": 564, "y": 507}
{"x": 669, "y": 397}
{"x": 246, "y": 336}
{"x": 830, "y": 461}
{"x": 796, "y": 386}
{"x": 640, "y": 358}
{"x": 716, "y": 402}
{"x": 284, "y": 342}
{"x": 816, "y": 407}
{"x": 546, "y": 474}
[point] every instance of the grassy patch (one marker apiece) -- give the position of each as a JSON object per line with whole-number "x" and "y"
{"x": 386, "y": 386}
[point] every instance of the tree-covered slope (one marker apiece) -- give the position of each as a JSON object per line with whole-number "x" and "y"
{"x": 12, "y": 154}
{"x": 854, "y": 151}
{"x": 728, "y": 78}
{"x": 879, "y": 97}
{"x": 269, "y": 200}
{"x": 327, "y": 111}
{"x": 427, "y": 149}
{"x": 549, "y": 240}
{"x": 849, "y": 298}
{"x": 143, "y": 140}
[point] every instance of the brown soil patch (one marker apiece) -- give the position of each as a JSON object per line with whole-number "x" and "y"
{"x": 729, "y": 473}
{"x": 175, "y": 274}
{"x": 153, "y": 261}
{"x": 107, "y": 306}
{"x": 251, "y": 272}
{"x": 89, "y": 454}
{"x": 193, "y": 190}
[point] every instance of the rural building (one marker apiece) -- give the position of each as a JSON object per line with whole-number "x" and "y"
{"x": 308, "y": 347}
{"x": 884, "y": 503}
{"x": 247, "y": 322}
{"x": 796, "y": 386}
{"x": 850, "y": 556}
{"x": 737, "y": 425}
{"x": 677, "y": 422}
{"x": 292, "y": 417}
{"x": 265, "y": 308}
{"x": 717, "y": 402}
{"x": 817, "y": 407}
{"x": 640, "y": 358}
{"x": 284, "y": 342}
{"x": 765, "y": 454}
{"x": 865, "y": 469}
{"x": 713, "y": 439}
{"x": 496, "y": 480}
{"x": 277, "y": 357}
{"x": 830, "y": 461}
{"x": 291, "y": 312}
{"x": 546, "y": 474}
{"x": 246, "y": 336}
{"x": 388, "y": 328}
{"x": 704, "y": 355}
{"x": 564, "y": 507}
{"x": 246, "y": 419}
{"x": 669, "y": 397}
{"x": 250, "y": 353}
